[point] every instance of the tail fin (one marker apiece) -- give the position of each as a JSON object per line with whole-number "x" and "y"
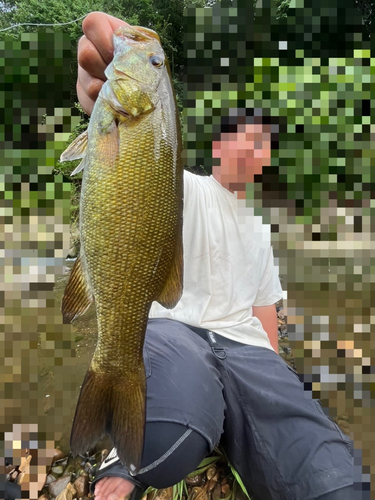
{"x": 113, "y": 405}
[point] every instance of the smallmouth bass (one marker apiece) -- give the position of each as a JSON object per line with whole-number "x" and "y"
{"x": 131, "y": 236}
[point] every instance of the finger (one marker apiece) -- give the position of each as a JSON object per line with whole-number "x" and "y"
{"x": 109, "y": 486}
{"x": 99, "y": 485}
{"x": 98, "y": 28}
{"x": 86, "y": 103}
{"x": 89, "y": 84}
{"x": 89, "y": 58}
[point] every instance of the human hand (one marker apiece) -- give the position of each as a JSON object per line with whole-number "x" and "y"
{"x": 95, "y": 52}
{"x": 113, "y": 488}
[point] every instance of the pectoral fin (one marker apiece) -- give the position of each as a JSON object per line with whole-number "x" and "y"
{"x": 79, "y": 167}
{"x": 77, "y": 149}
{"x": 172, "y": 290}
{"x": 77, "y": 295}
{"x": 109, "y": 142}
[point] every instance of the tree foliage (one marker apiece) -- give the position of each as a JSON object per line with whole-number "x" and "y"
{"x": 367, "y": 9}
{"x": 164, "y": 16}
{"x": 282, "y": 7}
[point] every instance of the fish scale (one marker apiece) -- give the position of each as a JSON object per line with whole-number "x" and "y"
{"x": 131, "y": 236}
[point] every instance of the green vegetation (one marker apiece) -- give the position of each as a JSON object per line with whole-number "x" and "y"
{"x": 367, "y": 8}
{"x": 180, "y": 490}
{"x": 317, "y": 92}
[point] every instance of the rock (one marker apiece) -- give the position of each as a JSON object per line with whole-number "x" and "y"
{"x": 43, "y": 497}
{"x": 194, "y": 480}
{"x": 81, "y": 484}
{"x": 211, "y": 471}
{"x": 55, "y": 488}
{"x": 195, "y": 492}
{"x": 88, "y": 467}
{"x": 68, "y": 493}
{"x": 104, "y": 455}
{"x": 165, "y": 494}
{"x": 70, "y": 469}
{"x": 202, "y": 495}
{"x": 216, "y": 492}
{"x": 213, "y": 482}
{"x": 79, "y": 462}
{"x": 50, "y": 479}
{"x": 95, "y": 459}
{"x": 58, "y": 470}
{"x": 59, "y": 455}
{"x": 225, "y": 489}
{"x": 82, "y": 472}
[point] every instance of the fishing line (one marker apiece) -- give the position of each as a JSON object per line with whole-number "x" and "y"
{"x": 42, "y": 24}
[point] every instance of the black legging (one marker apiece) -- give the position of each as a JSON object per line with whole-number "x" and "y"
{"x": 161, "y": 437}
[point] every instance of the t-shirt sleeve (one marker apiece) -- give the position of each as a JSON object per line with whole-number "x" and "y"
{"x": 269, "y": 291}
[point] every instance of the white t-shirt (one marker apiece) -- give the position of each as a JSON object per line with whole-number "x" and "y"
{"x": 228, "y": 264}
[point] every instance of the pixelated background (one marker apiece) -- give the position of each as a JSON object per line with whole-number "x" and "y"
{"x": 310, "y": 74}
{"x": 37, "y": 386}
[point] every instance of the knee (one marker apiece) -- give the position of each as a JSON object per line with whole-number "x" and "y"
{"x": 170, "y": 453}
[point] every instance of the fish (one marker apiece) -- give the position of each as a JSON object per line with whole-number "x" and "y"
{"x": 131, "y": 236}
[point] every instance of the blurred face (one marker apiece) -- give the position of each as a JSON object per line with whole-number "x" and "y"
{"x": 242, "y": 155}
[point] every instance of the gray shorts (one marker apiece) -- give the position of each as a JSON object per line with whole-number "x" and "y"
{"x": 278, "y": 439}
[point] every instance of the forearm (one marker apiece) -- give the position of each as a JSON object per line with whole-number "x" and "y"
{"x": 268, "y": 317}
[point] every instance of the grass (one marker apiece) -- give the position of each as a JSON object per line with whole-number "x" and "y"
{"x": 180, "y": 491}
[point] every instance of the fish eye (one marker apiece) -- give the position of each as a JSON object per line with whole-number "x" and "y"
{"x": 157, "y": 61}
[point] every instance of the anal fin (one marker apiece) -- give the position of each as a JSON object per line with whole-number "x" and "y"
{"x": 77, "y": 295}
{"x": 173, "y": 286}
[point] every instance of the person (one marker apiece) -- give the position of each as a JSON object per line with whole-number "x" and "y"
{"x": 212, "y": 370}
